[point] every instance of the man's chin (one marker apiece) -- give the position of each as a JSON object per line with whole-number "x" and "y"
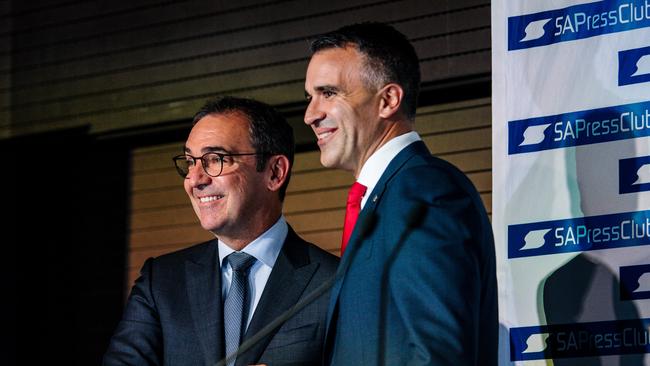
{"x": 333, "y": 163}
{"x": 212, "y": 227}
{"x": 327, "y": 161}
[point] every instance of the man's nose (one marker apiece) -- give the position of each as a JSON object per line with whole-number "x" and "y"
{"x": 313, "y": 113}
{"x": 197, "y": 175}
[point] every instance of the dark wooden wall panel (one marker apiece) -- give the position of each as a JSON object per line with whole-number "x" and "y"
{"x": 117, "y": 65}
{"x": 244, "y": 26}
{"x": 217, "y": 57}
{"x": 169, "y": 22}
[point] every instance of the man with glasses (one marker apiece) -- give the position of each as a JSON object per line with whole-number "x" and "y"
{"x": 198, "y": 305}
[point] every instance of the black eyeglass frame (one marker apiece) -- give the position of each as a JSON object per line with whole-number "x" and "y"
{"x": 184, "y": 157}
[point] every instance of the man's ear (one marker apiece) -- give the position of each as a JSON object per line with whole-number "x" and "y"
{"x": 391, "y": 99}
{"x": 277, "y": 172}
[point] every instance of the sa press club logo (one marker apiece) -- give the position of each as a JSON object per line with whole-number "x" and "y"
{"x": 616, "y": 337}
{"x": 576, "y": 22}
{"x": 584, "y": 127}
{"x": 634, "y": 66}
{"x": 634, "y": 175}
{"x": 635, "y": 282}
{"x": 579, "y": 234}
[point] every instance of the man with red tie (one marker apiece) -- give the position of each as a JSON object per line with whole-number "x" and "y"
{"x": 417, "y": 283}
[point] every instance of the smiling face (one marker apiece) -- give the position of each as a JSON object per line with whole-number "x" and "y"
{"x": 343, "y": 111}
{"x": 236, "y": 206}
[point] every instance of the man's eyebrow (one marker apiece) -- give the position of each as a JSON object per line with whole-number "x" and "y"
{"x": 208, "y": 149}
{"x": 330, "y": 88}
{"x": 214, "y": 149}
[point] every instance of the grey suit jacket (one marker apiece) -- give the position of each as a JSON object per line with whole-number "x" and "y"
{"x": 174, "y": 315}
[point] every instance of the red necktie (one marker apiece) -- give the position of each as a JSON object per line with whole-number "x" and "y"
{"x": 352, "y": 211}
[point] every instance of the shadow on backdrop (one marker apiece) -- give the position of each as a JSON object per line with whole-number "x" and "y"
{"x": 587, "y": 288}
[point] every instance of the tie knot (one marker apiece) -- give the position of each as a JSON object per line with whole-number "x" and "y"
{"x": 240, "y": 261}
{"x": 356, "y": 193}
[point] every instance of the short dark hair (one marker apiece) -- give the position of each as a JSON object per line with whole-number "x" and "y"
{"x": 390, "y": 57}
{"x": 270, "y": 133}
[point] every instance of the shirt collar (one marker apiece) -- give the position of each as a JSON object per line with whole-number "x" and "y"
{"x": 377, "y": 163}
{"x": 266, "y": 247}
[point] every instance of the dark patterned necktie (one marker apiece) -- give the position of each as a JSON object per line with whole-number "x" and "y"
{"x": 235, "y": 309}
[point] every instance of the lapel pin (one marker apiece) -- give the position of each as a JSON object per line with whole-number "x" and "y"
{"x": 374, "y": 199}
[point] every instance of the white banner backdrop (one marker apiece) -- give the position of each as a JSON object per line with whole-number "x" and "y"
{"x": 571, "y": 180}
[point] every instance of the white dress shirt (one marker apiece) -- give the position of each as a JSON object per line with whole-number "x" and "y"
{"x": 265, "y": 249}
{"x": 377, "y": 163}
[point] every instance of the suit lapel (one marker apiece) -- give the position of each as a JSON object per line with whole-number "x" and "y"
{"x": 366, "y": 216}
{"x": 203, "y": 279}
{"x": 290, "y": 276}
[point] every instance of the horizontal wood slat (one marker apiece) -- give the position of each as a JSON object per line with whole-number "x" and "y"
{"x": 166, "y": 237}
{"x": 157, "y": 161}
{"x": 480, "y": 159}
{"x": 458, "y": 116}
{"x": 329, "y": 240}
{"x": 459, "y": 141}
{"x": 320, "y": 221}
{"x": 163, "y": 198}
{"x": 307, "y": 161}
{"x": 162, "y": 218}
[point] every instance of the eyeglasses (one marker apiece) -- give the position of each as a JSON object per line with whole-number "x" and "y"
{"x": 214, "y": 163}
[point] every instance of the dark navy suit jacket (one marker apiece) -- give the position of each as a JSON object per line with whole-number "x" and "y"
{"x": 174, "y": 315}
{"x": 417, "y": 283}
